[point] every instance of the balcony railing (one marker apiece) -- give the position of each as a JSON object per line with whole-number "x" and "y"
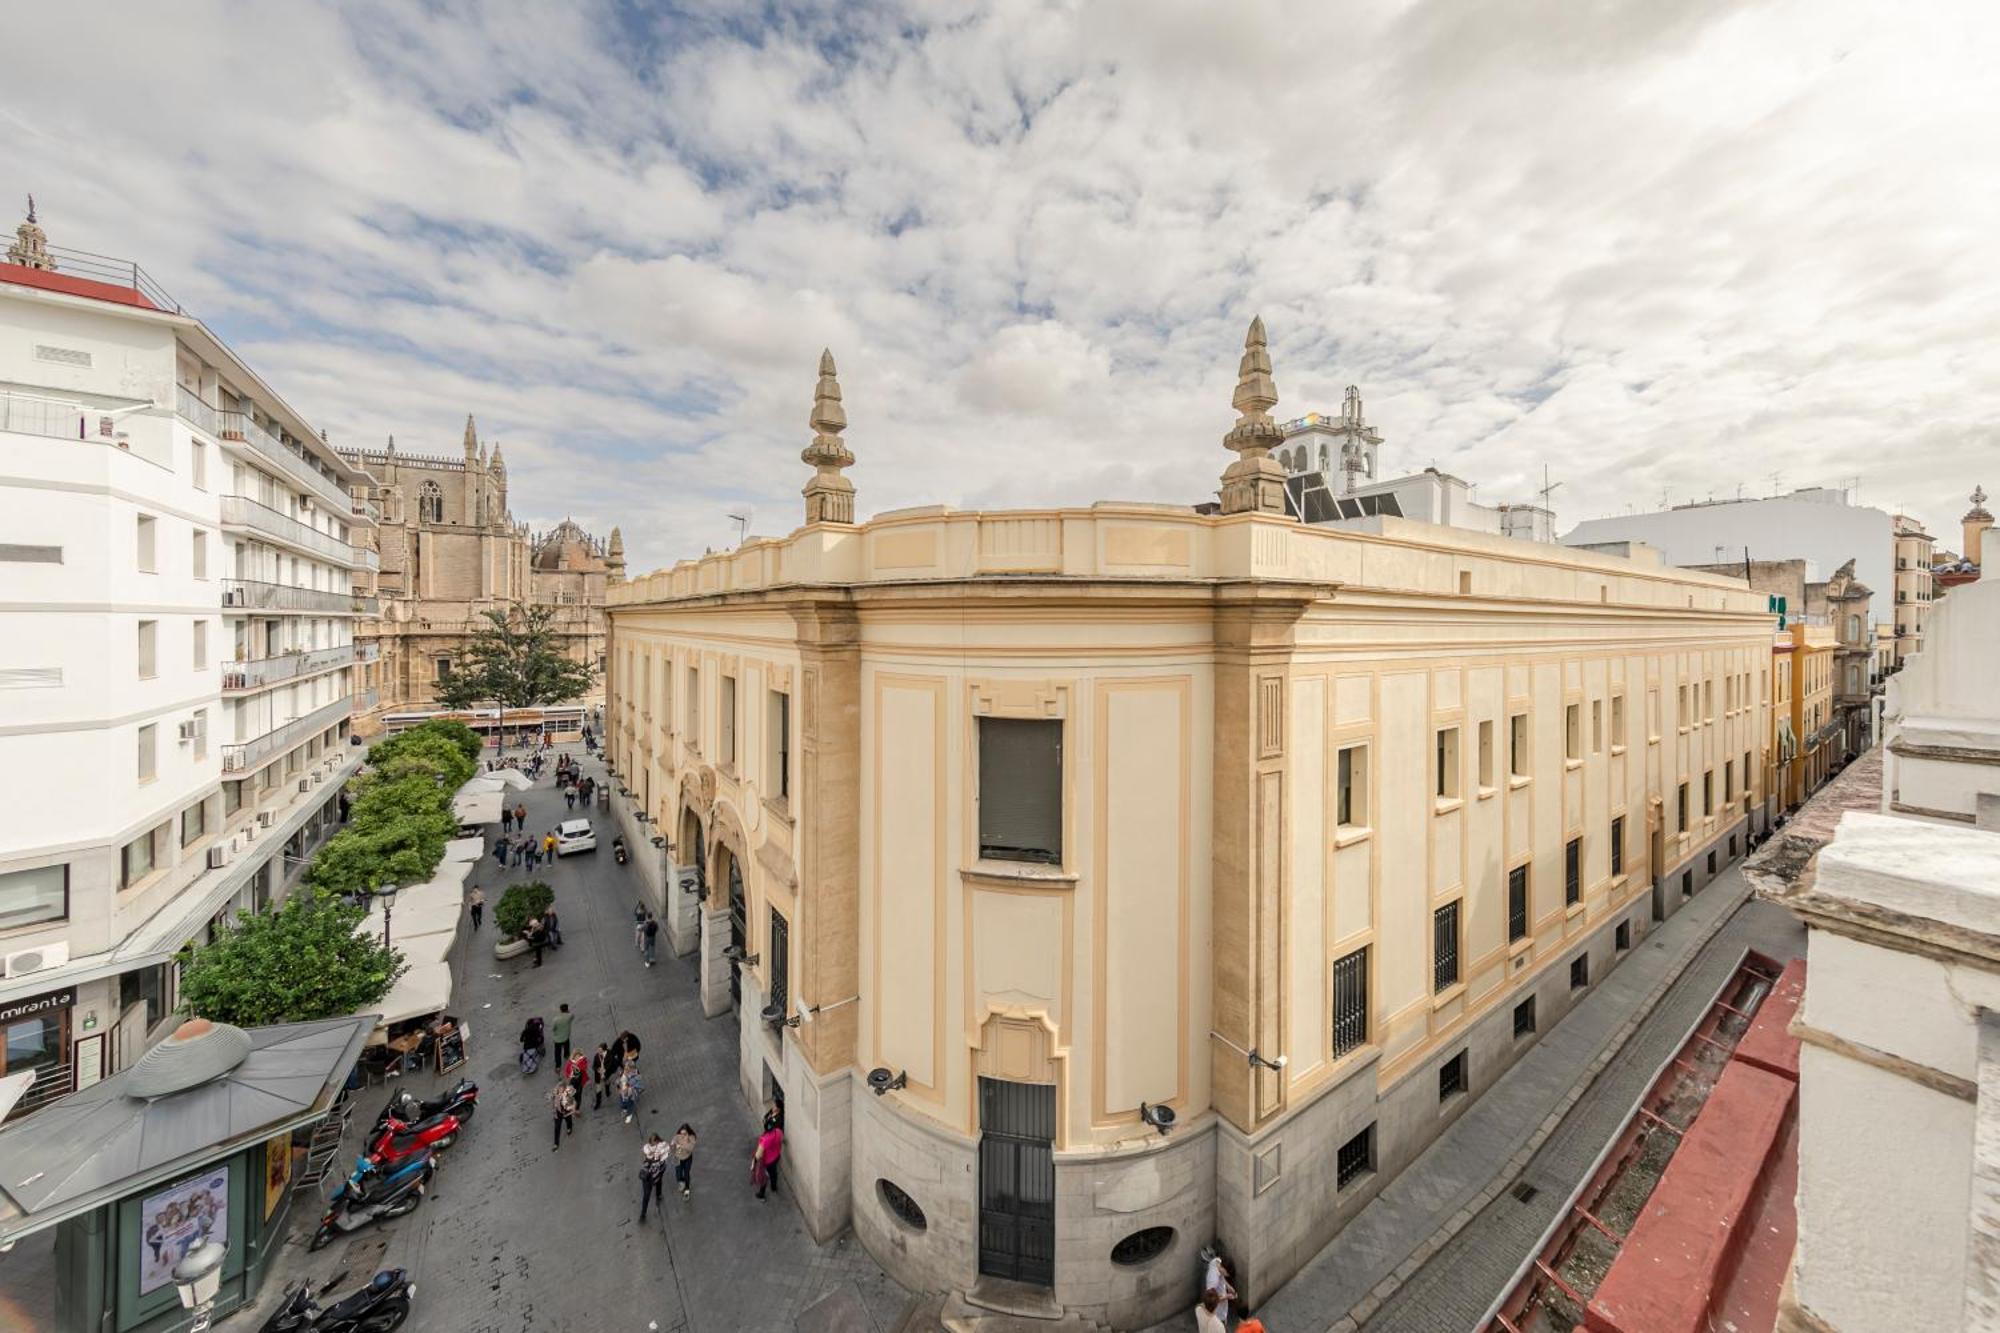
{"x": 244, "y": 512}
{"x": 249, "y": 754}
{"x": 367, "y": 509}
{"x": 59, "y": 418}
{"x": 251, "y": 595}
{"x": 264, "y": 671}
{"x": 51, "y": 1082}
{"x": 242, "y": 428}
{"x": 113, "y": 272}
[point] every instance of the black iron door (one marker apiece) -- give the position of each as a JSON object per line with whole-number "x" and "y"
{"x": 1017, "y": 1181}
{"x": 739, "y": 929}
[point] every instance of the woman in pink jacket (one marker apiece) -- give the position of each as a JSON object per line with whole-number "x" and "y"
{"x": 764, "y": 1159}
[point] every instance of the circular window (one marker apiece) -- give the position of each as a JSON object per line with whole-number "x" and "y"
{"x": 1142, "y": 1247}
{"x": 901, "y": 1206}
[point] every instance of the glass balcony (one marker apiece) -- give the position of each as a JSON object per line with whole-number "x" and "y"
{"x": 243, "y": 512}
{"x": 240, "y": 677}
{"x": 251, "y": 595}
{"x": 241, "y": 758}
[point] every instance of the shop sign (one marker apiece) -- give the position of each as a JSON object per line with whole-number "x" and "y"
{"x": 39, "y": 1004}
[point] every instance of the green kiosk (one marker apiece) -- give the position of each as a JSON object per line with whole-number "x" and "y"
{"x": 190, "y": 1149}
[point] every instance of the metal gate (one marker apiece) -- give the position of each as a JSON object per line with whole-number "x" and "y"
{"x": 781, "y": 963}
{"x": 739, "y": 929}
{"x": 1017, "y": 1181}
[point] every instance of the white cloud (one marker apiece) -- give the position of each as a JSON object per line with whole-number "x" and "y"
{"x": 1659, "y": 246}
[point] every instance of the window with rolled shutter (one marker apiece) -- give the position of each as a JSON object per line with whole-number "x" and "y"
{"x": 1020, "y": 789}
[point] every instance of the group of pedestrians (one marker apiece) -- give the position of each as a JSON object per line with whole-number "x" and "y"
{"x": 526, "y": 852}
{"x": 614, "y": 1068}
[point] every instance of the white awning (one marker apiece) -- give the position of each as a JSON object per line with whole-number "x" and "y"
{"x": 418, "y": 950}
{"x": 424, "y": 989}
{"x": 476, "y": 805}
{"x": 412, "y": 916}
{"x": 508, "y": 777}
{"x": 463, "y": 849}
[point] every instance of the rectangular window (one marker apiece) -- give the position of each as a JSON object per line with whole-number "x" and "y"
{"x": 1350, "y": 1002}
{"x": 30, "y": 897}
{"x": 200, "y": 563}
{"x": 232, "y": 798}
{"x": 1524, "y": 1017}
{"x": 1573, "y": 872}
{"x": 149, "y": 762}
{"x": 1621, "y": 938}
{"x": 1447, "y": 763}
{"x": 1708, "y": 793}
{"x": 1444, "y": 947}
{"x": 200, "y": 469}
{"x": 1355, "y": 1159}
{"x": 1618, "y": 845}
{"x": 1617, "y": 719}
{"x": 1681, "y": 706}
{"x": 1351, "y": 795}
{"x": 1572, "y": 731}
{"x": 201, "y": 645}
{"x": 194, "y": 822}
{"x": 149, "y": 649}
{"x": 1728, "y": 780}
{"x": 1746, "y": 772}
{"x": 147, "y": 545}
{"x": 1517, "y": 903}
{"x": 667, "y": 695}
{"x": 442, "y": 667}
{"x": 1597, "y": 726}
{"x": 1681, "y": 801}
{"x": 1711, "y": 863}
{"x": 778, "y": 723}
{"x": 1486, "y": 754}
{"x": 1517, "y": 745}
{"x": 1579, "y": 971}
{"x": 137, "y": 860}
{"x": 725, "y": 719}
{"x": 1021, "y": 789}
{"x": 781, "y": 962}
{"x": 1687, "y": 883}
{"x": 694, "y": 707}
{"x": 1451, "y": 1078}
{"x": 200, "y": 735}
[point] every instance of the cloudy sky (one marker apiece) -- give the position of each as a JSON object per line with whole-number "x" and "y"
{"x": 1662, "y": 248}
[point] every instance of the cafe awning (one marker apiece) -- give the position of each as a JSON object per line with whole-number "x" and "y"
{"x": 424, "y": 989}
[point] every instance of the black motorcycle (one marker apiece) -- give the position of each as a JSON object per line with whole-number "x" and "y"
{"x": 618, "y": 850}
{"x": 378, "y": 1307}
{"x": 374, "y": 1194}
{"x": 461, "y": 1100}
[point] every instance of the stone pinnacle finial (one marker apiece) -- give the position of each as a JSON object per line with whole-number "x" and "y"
{"x": 471, "y": 436}
{"x": 31, "y": 208}
{"x": 1255, "y": 482}
{"x": 829, "y": 495}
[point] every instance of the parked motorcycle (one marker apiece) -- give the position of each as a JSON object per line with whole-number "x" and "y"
{"x": 461, "y": 1100}
{"x": 378, "y": 1307}
{"x": 394, "y": 1141}
{"x": 374, "y": 1194}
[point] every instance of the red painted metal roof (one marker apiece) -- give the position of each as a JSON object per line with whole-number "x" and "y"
{"x": 1769, "y": 1044}
{"x": 62, "y": 282}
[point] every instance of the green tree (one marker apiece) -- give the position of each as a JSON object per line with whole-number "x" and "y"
{"x": 515, "y": 661}
{"x": 300, "y": 963}
{"x": 518, "y": 904}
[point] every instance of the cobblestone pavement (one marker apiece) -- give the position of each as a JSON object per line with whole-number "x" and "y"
{"x": 517, "y": 1236}
{"x": 1444, "y": 1239}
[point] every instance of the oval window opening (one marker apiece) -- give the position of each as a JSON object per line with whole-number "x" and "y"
{"x": 1143, "y": 1246}
{"x": 901, "y": 1206}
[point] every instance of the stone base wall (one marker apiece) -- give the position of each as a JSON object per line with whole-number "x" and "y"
{"x": 714, "y": 967}
{"x": 683, "y": 911}
{"x": 814, "y": 1169}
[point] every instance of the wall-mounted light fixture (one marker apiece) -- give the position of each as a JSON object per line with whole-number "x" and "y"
{"x": 1159, "y": 1117}
{"x": 881, "y": 1080}
{"x": 735, "y": 954}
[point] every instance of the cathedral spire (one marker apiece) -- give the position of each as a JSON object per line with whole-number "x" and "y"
{"x": 1255, "y": 482}
{"x": 614, "y": 557}
{"x": 31, "y": 244}
{"x": 471, "y": 438}
{"x": 829, "y": 495}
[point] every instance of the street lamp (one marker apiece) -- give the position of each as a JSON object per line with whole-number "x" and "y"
{"x": 387, "y": 893}
{"x": 198, "y": 1277}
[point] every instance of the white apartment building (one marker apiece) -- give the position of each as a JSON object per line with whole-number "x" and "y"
{"x": 176, "y": 652}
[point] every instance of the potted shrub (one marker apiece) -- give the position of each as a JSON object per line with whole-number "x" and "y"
{"x": 520, "y": 904}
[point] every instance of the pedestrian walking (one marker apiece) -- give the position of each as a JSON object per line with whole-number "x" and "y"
{"x": 506, "y": 819}
{"x": 630, "y": 1085}
{"x": 521, "y": 818}
{"x": 683, "y": 1149}
{"x": 577, "y": 1070}
{"x": 1216, "y": 1279}
{"x": 559, "y": 1033}
{"x": 774, "y": 1115}
{"x": 625, "y": 1048}
{"x": 1205, "y": 1318}
{"x": 603, "y": 1068}
{"x": 549, "y": 846}
{"x": 650, "y": 931}
{"x": 639, "y": 915}
{"x": 520, "y": 852}
{"x": 537, "y": 938}
{"x": 552, "y": 927}
{"x": 531, "y": 1045}
{"x": 569, "y": 797}
{"x": 476, "y": 900}
{"x": 562, "y": 1099}
{"x": 764, "y": 1159}
{"x": 652, "y": 1173}
{"x": 534, "y": 855}
{"x": 500, "y": 850}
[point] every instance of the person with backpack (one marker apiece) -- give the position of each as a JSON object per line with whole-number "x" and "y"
{"x": 652, "y": 1173}
{"x": 650, "y": 933}
{"x": 562, "y": 1099}
{"x": 683, "y": 1150}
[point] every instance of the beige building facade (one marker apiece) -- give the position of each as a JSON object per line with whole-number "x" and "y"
{"x": 1025, "y": 825}
{"x": 1914, "y": 589}
{"x": 450, "y": 552}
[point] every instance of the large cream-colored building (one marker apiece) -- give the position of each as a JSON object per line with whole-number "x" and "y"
{"x": 451, "y": 551}
{"x": 1913, "y": 585}
{"x": 1052, "y": 817}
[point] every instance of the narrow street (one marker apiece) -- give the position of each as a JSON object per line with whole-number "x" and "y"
{"x": 517, "y": 1236}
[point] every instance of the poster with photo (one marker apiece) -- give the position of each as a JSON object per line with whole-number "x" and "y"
{"x": 176, "y": 1220}
{"x": 277, "y": 1171}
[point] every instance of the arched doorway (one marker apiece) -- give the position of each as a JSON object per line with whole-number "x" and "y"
{"x": 730, "y": 874}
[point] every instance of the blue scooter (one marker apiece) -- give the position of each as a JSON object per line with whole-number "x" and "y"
{"x": 373, "y": 1194}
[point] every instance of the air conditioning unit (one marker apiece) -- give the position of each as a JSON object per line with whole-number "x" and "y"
{"x": 23, "y": 961}
{"x": 305, "y": 785}
{"x": 267, "y": 818}
{"x": 318, "y": 778}
{"x": 249, "y": 834}
{"x": 232, "y": 596}
{"x": 190, "y": 731}
{"x": 218, "y": 857}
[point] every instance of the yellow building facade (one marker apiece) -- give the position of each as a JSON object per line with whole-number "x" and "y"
{"x": 1000, "y": 832}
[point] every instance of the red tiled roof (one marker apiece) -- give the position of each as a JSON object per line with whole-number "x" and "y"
{"x": 62, "y": 282}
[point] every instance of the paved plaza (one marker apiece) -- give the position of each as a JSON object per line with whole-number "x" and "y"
{"x": 519, "y": 1238}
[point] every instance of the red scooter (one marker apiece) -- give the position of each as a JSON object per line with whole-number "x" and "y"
{"x": 396, "y": 1141}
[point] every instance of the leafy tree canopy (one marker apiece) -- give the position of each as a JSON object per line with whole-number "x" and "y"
{"x": 518, "y": 904}
{"x": 516, "y": 660}
{"x": 300, "y": 963}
